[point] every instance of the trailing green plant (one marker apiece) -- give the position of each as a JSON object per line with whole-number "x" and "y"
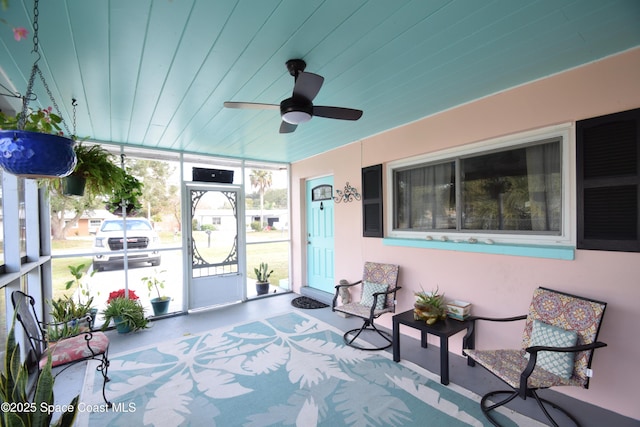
{"x": 99, "y": 168}
{"x": 262, "y": 272}
{"x": 155, "y": 282}
{"x": 130, "y": 191}
{"x": 14, "y": 392}
{"x": 128, "y": 311}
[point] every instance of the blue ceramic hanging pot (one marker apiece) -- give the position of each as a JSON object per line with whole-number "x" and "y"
{"x": 36, "y": 155}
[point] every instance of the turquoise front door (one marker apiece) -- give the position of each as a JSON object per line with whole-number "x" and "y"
{"x": 320, "y": 244}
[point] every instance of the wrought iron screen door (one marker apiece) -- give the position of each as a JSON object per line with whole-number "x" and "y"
{"x": 216, "y": 245}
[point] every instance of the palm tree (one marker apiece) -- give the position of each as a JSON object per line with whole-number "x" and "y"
{"x": 261, "y": 180}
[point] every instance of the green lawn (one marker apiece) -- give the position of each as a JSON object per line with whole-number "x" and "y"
{"x": 275, "y": 254}
{"x": 61, "y": 275}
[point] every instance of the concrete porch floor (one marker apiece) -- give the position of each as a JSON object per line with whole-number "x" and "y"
{"x": 476, "y": 379}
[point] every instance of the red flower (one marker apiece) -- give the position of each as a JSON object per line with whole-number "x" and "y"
{"x": 121, "y": 294}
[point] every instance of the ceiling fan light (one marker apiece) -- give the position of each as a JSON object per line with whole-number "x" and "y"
{"x": 296, "y": 117}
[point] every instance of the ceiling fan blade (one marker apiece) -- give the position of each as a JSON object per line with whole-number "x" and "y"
{"x": 287, "y": 127}
{"x": 307, "y": 85}
{"x": 251, "y": 105}
{"x": 336, "y": 112}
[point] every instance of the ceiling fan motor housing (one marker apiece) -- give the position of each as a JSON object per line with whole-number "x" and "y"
{"x": 296, "y": 110}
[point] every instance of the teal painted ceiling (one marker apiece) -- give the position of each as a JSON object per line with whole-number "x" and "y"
{"x": 155, "y": 73}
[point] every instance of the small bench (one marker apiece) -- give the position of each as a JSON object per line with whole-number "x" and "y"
{"x": 88, "y": 345}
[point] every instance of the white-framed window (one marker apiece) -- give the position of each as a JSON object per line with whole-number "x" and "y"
{"x": 514, "y": 189}
{"x": 95, "y": 223}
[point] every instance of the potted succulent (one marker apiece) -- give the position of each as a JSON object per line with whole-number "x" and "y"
{"x": 33, "y": 146}
{"x": 160, "y": 304}
{"x": 127, "y": 312}
{"x": 262, "y": 278}
{"x": 430, "y": 307}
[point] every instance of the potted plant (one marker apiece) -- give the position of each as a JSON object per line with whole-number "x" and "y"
{"x": 262, "y": 278}
{"x": 160, "y": 304}
{"x": 34, "y": 146}
{"x": 82, "y": 289}
{"x": 69, "y": 317}
{"x": 96, "y": 172}
{"x": 17, "y": 392}
{"x": 127, "y": 312}
{"x": 430, "y": 307}
{"x": 130, "y": 191}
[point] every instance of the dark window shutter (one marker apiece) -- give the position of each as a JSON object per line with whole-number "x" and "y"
{"x": 608, "y": 182}
{"x": 372, "y": 201}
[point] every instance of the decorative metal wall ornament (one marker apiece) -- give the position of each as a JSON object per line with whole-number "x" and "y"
{"x": 348, "y": 195}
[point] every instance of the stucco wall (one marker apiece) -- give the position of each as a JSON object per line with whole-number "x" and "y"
{"x": 498, "y": 284}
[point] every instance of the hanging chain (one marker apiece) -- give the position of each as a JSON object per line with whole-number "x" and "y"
{"x": 36, "y": 13}
{"x": 53, "y": 101}
{"x": 74, "y": 103}
{"x": 30, "y": 96}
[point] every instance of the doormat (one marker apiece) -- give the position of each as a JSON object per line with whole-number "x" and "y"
{"x": 307, "y": 303}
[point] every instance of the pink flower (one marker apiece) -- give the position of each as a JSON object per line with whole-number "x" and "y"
{"x": 20, "y": 33}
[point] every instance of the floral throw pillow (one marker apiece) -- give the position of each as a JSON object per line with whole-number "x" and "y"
{"x": 370, "y": 288}
{"x": 560, "y": 364}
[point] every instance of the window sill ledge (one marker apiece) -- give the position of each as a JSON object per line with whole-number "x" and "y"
{"x": 534, "y": 251}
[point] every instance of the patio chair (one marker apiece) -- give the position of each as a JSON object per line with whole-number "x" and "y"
{"x": 558, "y": 343}
{"x": 88, "y": 345}
{"x": 378, "y": 296}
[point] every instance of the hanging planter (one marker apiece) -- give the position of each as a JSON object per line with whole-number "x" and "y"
{"x": 73, "y": 185}
{"x": 36, "y": 155}
{"x": 95, "y": 174}
{"x": 31, "y": 143}
{"x": 128, "y": 194}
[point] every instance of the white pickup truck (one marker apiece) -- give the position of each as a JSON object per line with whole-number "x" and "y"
{"x": 142, "y": 243}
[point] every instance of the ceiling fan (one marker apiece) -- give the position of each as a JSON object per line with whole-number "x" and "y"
{"x": 299, "y": 108}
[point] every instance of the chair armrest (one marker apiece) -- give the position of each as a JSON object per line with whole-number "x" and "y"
{"x": 377, "y": 294}
{"x": 346, "y": 285}
{"x": 533, "y": 357}
{"x": 337, "y": 294}
{"x": 572, "y": 349}
{"x": 469, "y": 336}
{"x": 497, "y": 319}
